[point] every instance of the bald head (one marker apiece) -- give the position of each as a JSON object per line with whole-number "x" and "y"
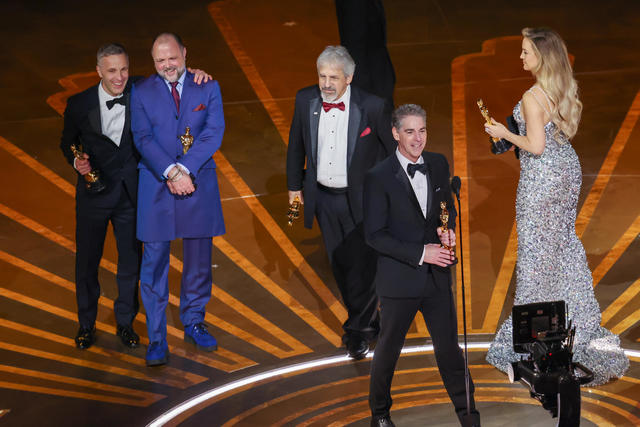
{"x": 169, "y": 55}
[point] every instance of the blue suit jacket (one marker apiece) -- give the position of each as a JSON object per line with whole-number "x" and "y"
{"x": 157, "y": 127}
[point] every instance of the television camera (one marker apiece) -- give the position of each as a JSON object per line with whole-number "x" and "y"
{"x": 549, "y": 372}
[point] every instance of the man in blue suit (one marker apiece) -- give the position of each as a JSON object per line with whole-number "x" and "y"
{"x": 178, "y": 194}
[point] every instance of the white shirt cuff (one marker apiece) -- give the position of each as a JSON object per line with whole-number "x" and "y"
{"x": 424, "y": 250}
{"x": 166, "y": 171}
{"x": 184, "y": 168}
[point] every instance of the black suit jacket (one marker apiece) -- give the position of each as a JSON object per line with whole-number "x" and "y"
{"x": 395, "y": 227}
{"x": 369, "y": 141}
{"x": 82, "y": 125}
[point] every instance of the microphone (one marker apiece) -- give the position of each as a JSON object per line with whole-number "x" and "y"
{"x": 455, "y": 186}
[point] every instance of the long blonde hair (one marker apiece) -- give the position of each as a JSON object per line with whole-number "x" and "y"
{"x": 555, "y": 77}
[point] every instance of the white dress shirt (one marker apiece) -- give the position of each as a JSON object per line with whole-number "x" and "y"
{"x": 419, "y": 183}
{"x": 112, "y": 120}
{"x": 333, "y": 129}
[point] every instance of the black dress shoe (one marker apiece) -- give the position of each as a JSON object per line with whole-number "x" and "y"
{"x": 357, "y": 347}
{"x": 128, "y": 336}
{"x": 382, "y": 422}
{"x": 85, "y": 337}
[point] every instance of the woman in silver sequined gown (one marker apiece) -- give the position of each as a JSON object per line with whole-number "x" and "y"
{"x": 551, "y": 262}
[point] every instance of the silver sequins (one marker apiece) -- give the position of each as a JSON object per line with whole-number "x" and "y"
{"x": 552, "y": 264}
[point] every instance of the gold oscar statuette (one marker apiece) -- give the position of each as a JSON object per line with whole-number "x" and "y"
{"x": 93, "y": 183}
{"x": 487, "y": 117}
{"x": 294, "y": 211}
{"x": 186, "y": 140}
{"x": 498, "y": 146}
{"x": 444, "y": 221}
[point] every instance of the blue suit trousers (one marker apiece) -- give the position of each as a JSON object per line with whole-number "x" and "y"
{"x": 195, "y": 288}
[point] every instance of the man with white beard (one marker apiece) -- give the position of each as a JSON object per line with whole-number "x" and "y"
{"x": 339, "y": 132}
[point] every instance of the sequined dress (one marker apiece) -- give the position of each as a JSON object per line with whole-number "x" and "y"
{"x": 552, "y": 264}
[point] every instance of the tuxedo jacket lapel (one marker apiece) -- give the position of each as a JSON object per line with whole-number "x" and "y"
{"x": 127, "y": 115}
{"x": 355, "y": 116}
{"x": 315, "y": 104}
{"x": 94, "y": 112}
{"x": 402, "y": 177}
{"x": 430, "y": 187}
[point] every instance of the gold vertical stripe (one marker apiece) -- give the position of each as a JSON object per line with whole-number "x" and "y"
{"x": 616, "y": 251}
{"x": 277, "y": 291}
{"x": 624, "y": 298}
{"x": 283, "y": 241}
{"x": 49, "y": 234}
{"x": 250, "y": 71}
{"x": 461, "y": 167}
{"x": 38, "y": 167}
{"x": 421, "y": 327}
{"x": 296, "y": 346}
{"x": 609, "y": 164}
{"x": 626, "y": 323}
{"x": 261, "y": 90}
{"x": 499, "y": 293}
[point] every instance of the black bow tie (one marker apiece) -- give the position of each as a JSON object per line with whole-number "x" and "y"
{"x": 413, "y": 167}
{"x": 115, "y": 101}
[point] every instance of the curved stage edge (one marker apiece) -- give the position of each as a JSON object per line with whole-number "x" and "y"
{"x": 492, "y": 387}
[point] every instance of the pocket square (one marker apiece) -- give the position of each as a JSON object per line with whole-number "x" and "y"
{"x": 199, "y": 107}
{"x": 437, "y": 189}
{"x": 365, "y": 132}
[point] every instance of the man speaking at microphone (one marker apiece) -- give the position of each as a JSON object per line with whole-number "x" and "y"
{"x": 402, "y": 197}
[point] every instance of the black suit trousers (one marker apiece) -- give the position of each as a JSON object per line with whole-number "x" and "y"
{"x": 92, "y": 220}
{"x": 396, "y": 315}
{"x": 353, "y": 263}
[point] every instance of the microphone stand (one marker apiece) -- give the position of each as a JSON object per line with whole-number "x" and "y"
{"x": 467, "y": 377}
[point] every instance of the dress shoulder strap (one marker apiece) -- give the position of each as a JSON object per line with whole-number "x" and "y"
{"x": 543, "y": 105}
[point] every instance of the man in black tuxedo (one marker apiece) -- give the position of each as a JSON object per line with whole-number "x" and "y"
{"x": 402, "y": 198}
{"x": 98, "y": 120}
{"x": 340, "y": 132}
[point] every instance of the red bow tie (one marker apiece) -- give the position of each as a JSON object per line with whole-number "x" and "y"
{"x": 328, "y": 106}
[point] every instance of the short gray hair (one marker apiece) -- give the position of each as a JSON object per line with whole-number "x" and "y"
{"x": 111, "y": 49}
{"x": 406, "y": 110}
{"x": 337, "y": 55}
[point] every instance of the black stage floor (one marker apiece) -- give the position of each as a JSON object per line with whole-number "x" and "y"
{"x": 275, "y": 304}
